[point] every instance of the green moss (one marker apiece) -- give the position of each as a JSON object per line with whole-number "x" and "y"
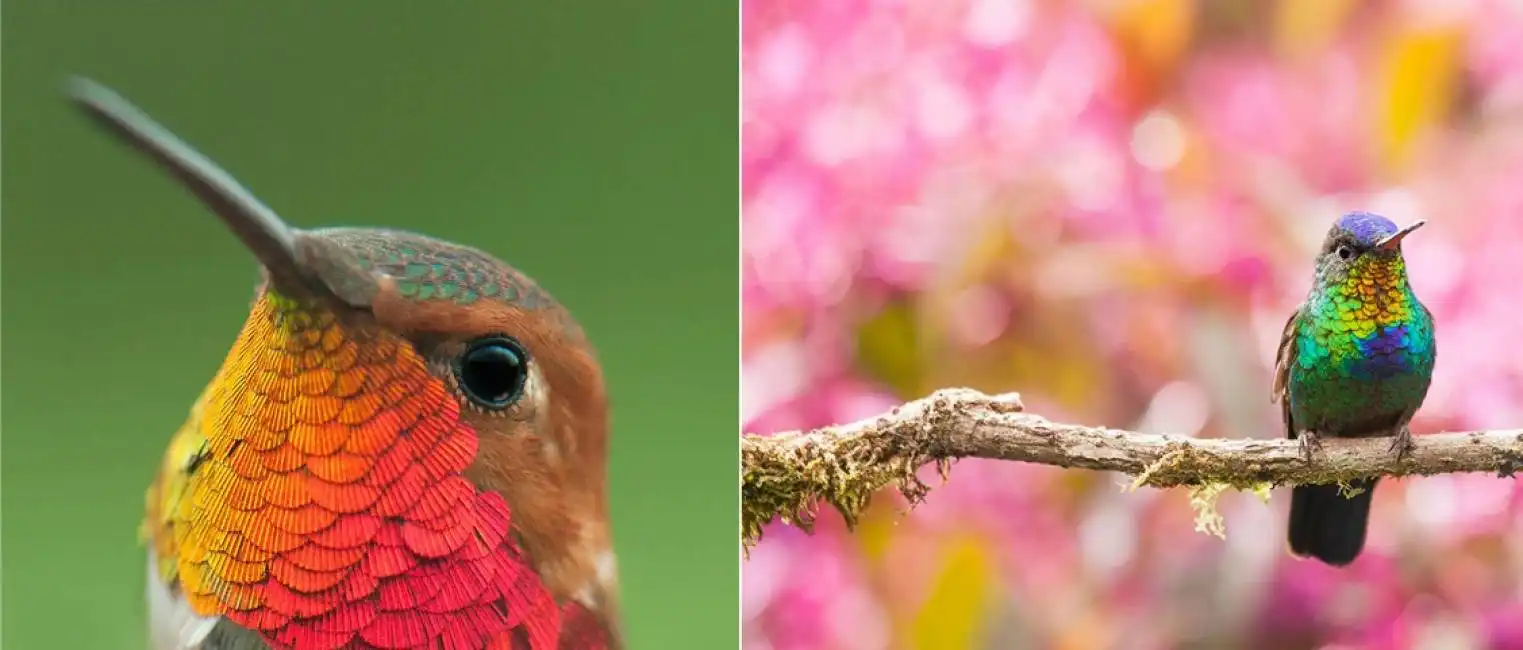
{"x": 1348, "y": 491}
{"x": 785, "y": 478}
{"x": 1203, "y": 501}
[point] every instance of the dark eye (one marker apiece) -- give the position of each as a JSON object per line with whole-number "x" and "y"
{"x": 1345, "y": 252}
{"x": 492, "y": 371}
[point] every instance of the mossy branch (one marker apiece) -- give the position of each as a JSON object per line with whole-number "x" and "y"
{"x": 784, "y": 476}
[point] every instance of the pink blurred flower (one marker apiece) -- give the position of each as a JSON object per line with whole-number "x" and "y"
{"x": 888, "y": 146}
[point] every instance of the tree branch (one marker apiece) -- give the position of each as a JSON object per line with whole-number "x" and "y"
{"x": 784, "y": 475}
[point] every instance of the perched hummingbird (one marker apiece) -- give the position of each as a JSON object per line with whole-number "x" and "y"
{"x": 1355, "y": 360}
{"x": 405, "y": 448}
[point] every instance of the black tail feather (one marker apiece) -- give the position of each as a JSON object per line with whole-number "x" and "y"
{"x": 1328, "y": 526}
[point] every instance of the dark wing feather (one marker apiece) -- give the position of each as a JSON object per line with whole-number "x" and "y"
{"x": 1283, "y": 359}
{"x": 1432, "y": 324}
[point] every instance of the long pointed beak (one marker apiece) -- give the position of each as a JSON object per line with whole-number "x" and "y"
{"x": 265, "y": 234}
{"x": 1394, "y": 241}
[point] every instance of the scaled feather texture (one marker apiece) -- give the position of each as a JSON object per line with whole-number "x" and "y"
{"x": 320, "y": 499}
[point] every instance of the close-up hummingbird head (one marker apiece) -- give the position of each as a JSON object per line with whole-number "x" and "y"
{"x": 1364, "y": 246}
{"x": 385, "y": 388}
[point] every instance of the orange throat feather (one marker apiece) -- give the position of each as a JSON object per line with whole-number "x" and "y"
{"x": 318, "y": 496}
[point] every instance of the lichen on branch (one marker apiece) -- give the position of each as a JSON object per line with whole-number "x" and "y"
{"x": 786, "y": 475}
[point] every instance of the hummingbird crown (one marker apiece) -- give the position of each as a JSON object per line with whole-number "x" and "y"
{"x": 1366, "y": 228}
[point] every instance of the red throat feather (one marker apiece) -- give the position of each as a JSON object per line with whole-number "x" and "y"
{"x": 330, "y": 507}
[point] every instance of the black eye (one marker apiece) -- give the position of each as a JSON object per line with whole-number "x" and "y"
{"x": 492, "y": 371}
{"x": 1345, "y": 252}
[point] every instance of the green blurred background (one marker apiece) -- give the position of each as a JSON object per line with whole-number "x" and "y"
{"x": 594, "y": 148}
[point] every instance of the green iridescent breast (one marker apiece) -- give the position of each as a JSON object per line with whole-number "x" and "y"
{"x": 1349, "y": 370}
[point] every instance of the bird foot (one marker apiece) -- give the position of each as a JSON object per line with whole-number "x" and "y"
{"x": 1402, "y": 443}
{"x": 1311, "y": 442}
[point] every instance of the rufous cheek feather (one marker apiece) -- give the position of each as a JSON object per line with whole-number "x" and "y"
{"x": 548, "y": 468}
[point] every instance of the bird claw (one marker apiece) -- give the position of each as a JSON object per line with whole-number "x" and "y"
{"x": 1402, "y": 443}
{"x": 1310, "y": 442}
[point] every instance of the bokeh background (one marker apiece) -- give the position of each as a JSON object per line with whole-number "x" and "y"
{"x": 1111, "y": 208}
{"x": 595, "y": 150}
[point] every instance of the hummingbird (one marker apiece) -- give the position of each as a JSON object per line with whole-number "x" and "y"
{"x": 405, "y": 447}
{"x": 1355, "y": 360}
